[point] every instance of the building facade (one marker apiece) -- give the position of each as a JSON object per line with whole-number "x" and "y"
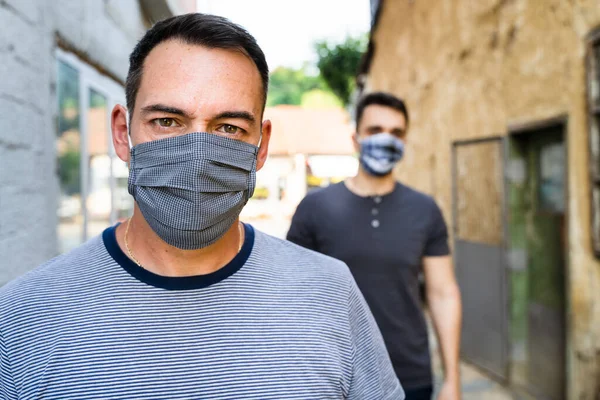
{"x": 505, "y": 133}
{"x": 63, "y": 65}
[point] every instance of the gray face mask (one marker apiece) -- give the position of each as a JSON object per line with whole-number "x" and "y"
{"x": 192, "y": 188}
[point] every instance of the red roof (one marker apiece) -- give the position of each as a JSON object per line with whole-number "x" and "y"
{"x": 298, "y": 130}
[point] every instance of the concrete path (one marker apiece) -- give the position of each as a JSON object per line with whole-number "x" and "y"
{"x": 475, "y": 384}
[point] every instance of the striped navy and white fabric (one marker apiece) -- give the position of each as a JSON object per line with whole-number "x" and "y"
{"x": 278, "y": 322}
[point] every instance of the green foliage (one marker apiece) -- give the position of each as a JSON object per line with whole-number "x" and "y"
{"x": 68, "y": 98}
{"x": 288, "y": 85}
{"x": 68, "y": 164}
{"x": 338, "y": 65}
{"x": 97, "y": 100}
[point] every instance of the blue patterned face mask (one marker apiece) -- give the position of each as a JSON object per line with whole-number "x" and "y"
{"x": 380, "y": 152}
{"x": 192, "y": 188}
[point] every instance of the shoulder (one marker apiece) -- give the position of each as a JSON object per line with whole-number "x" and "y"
{"x": 415, "y": 196}
{"x": 315, "y": 204}
{"x": 318, "y": 196}
{"x": 295, "y": 262}
{"x": 52, "y": 279}
{"x": 418, "y": 200}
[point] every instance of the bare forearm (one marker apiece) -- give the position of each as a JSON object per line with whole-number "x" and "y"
{"x": 446, "y": 313}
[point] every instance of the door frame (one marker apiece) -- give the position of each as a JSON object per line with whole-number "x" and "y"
{"x": 505, "y": 282}
{"x": 515, "y": 130}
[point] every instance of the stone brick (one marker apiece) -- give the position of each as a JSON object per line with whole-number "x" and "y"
{"x": 124, "y": 17}
{"x": 71, "y": 20}
{"x": 21, "y": 39}
{"x": 22, "y": 126}
{"x": 21, "y": 254}
{"x": 21, "y": 206}
{"x": 108, "y": 51}
{"x": 18, "y": 166}
{"x": 28, "y": 10}
{"x": 26, "y": 85}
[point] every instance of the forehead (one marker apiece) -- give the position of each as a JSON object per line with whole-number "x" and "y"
{"x": 188, "y": 76}
{"x": 379, "y": 115}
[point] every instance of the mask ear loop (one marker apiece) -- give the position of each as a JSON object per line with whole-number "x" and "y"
{"x": 129, "y": 142}
{"x": 261, "y": 137}
{"x": 129, "y": 134}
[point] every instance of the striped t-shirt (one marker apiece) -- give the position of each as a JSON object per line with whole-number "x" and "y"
{"x": 277, "y": 322}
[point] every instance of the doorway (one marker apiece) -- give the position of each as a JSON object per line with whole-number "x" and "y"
{"x": 479, "y": 252}
{"x": 537, "y": 171}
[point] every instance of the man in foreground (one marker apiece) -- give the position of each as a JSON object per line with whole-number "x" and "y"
{"x": 183, "y": 301}
{"x": 385, "y": 232}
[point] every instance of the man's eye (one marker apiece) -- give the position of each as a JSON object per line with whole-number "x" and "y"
{"x": 230, "y": 129}
{"x": 165, "y": 122}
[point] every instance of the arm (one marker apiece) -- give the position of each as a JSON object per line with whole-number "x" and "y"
{"x": 443, "y": 298}
{"x": 301, "y": 229}
{"x": 8, "y": 390}
{"x": 373, "y": 377}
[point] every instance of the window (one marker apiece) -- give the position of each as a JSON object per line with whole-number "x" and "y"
{"x": 594, "y": 121}
{"x": 93, "y": 182}
{"x": 551, "y": 170}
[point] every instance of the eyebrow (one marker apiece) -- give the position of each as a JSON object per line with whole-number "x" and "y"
{"x": 163, "y": 108}
{"x": 237, "y": 114}
{"x": 177, "y": 111}
{"x": 380, "y": 128}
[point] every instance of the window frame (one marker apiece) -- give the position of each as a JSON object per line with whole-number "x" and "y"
{"x": 114, "y": 93}
{"x": 593, "y": 116}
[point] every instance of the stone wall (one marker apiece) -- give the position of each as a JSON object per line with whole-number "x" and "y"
{"x": 102, "y": 33}
{"x": 27, "y": 180}
{"x": 474, "y": 69}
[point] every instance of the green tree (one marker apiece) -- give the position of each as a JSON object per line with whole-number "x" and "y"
{"x": 288, "y": 85}
{"x": 338, "y": 64}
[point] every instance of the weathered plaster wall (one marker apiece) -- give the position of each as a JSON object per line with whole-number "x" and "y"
{"x": 471, "y": 69}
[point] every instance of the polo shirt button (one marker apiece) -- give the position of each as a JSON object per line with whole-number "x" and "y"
{"x": 374, "y": 211}
{"x": 377, "y": 199}
{"x": 375, "y": 223}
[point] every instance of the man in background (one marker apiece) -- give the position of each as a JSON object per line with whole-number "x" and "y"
{"x": 387, "y": 233}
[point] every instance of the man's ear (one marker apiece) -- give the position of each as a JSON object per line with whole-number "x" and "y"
{"x": 263, "y": 150}
{"x": 355, "y": 142}
{"x": 120, "y": 133}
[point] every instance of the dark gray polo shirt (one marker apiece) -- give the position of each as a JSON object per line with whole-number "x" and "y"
{"x": 383, "y": 240}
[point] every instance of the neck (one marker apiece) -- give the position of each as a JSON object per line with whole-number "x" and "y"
{"x": 163, "y": 259}
{"x": 365, "y": 184}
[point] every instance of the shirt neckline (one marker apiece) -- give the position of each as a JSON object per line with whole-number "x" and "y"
{"x": 397, "y": 187}
{"x": 179, "y": 282}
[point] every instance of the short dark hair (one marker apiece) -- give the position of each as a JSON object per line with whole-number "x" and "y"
{"x": 382, "y": 99}
{"x": 198, "y": 29}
